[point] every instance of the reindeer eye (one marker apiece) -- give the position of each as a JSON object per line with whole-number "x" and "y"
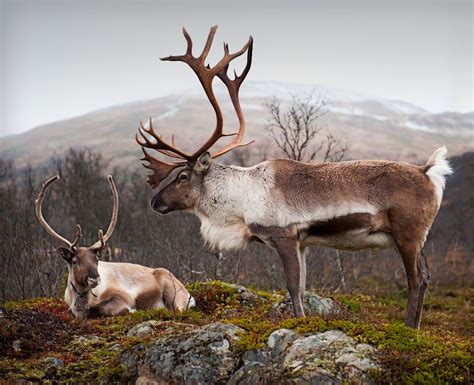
{"x": 183, "y": 177}
{"x": 74, "y": 261}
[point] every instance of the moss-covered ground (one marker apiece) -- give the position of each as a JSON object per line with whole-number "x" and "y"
{"x": 33, "y": 331}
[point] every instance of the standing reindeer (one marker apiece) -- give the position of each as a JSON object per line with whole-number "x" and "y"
{"x": 367, "y": 204}
{"x": 96, "y": 288}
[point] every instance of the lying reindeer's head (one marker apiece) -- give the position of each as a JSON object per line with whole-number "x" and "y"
{"x": 183, "y": 192}
{"x": 82, "y": 262}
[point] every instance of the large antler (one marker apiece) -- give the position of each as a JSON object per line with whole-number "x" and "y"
{"x": 206, "y": 75}
{"x": 113, "y": 220}
{"x": 48, "y": 228}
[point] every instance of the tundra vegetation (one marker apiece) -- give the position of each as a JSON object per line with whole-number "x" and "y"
{"x": 40, "y": 341}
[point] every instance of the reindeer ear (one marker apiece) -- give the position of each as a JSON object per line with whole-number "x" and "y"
{"x": 65, "y": 253}
{"x": 203, "y": 163}
{"x": 98, "y": 252}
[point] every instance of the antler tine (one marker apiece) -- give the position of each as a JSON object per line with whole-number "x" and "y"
{"x": 78, "y": 236}
{"x": 101, "y": 242}
{"x": 193, "y": 62}
{"x": 233, "y": 87}
{"x": 189, "y": 48}
{"x": 39, "y": 212}
{"x": 160, "y": 145}
{"x": 160, "y": 169}
{"x": 205, "y": 75}
{"x": 113, "y": 219}
{"x": 207, "y": 46}
{"x": 228, "y": 57}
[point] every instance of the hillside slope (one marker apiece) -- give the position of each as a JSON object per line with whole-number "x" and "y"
{"x": 373, "y": 128}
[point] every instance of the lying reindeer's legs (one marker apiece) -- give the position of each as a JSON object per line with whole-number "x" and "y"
{"x": 302, "y": 271}
{"x": 289, "y": 252}
{"x": 110, "y": 307}
{"x": 410, "y": 256}
{"x": 425, "y": 279}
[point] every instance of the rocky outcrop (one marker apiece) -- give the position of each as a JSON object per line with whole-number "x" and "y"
{"x": 313, "y": 305}
{"x": 208, "y": 355}
{"x": 331, "y": 357}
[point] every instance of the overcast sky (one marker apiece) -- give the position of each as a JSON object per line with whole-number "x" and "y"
{"x": 64, "y": 58}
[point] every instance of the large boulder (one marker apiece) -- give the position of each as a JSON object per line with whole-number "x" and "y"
{"x": 331, "y": 357}
{"x": 203, "y": 356}
{"x": 208, "y": 356}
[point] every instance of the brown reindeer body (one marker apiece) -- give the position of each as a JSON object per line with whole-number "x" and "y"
{"x": 292, "y": 205}
{"x": 96, "y": 288}
{"x": 321, "y": 202}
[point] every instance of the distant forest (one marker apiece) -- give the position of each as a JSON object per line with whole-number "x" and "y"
{"x": 32, "y": 267}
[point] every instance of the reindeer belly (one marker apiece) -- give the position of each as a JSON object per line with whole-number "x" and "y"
{"x": 355, "y": 231}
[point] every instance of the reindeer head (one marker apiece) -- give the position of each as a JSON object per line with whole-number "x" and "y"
{"x": 183, "y": 192}
{"x": 82, "y": 261}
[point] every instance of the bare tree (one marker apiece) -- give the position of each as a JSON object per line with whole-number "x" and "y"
{"x": 296, "y": 129}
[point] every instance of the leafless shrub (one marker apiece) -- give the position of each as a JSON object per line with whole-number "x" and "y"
{"x": 297, "y": 130}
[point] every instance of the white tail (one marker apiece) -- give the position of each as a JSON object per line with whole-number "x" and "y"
{"x": 437, "y": 168}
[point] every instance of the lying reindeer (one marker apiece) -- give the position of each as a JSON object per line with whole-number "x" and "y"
{"x": 96, "y": 288}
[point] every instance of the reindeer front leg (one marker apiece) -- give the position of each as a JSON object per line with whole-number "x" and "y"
{"x": 285, "y": 242}
{"x": 289, "y": 251}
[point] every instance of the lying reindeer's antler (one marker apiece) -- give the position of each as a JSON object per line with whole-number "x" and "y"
{"x": 73, "y": 245}
{"x": 48, "y": 228}
{"x": 206, "y": 75}
{"x": 113, "y": 220}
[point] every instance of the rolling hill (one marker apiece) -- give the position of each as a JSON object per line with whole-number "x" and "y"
{"x": 373, "y": 127}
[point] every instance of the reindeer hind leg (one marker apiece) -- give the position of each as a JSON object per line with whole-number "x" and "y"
{"x": 302, "y": 272}
{"x": 410, "y": 257}
{"x": 425, "y": 279}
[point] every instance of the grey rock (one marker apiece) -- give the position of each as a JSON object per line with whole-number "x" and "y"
{"x": 115, "y": 347}
{"x": 313, "y": 305}
{"x": 250, "y": 374}
{"x": 246, "y": 295}
{"x": 16, "y": 345}
{"x": 279, "y": 341}
{"x": 143, "y": 329}
{"x": 54, "y": 362}
{"x": 133, "y": 359}
{"x": 255, "y": 356}
{"x": 331, "y": 357}
{"x": 88, "y": 339}
{"x": 207, "y": 356}
{"x": 230, "y": 331}
{"x": 201, "y": 356}
{"x": 52, "y": 365}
